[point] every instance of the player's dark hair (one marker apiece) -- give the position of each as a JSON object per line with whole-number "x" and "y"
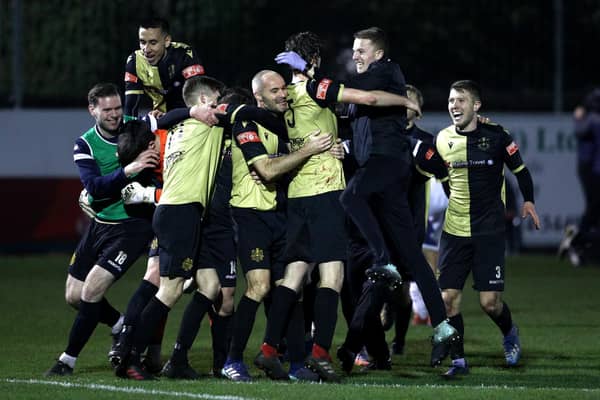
{"x": 237, "y": 95}
{"x": 198, "y": 85}
{"x": 468, "y": 86}
{"x": 134, "y": 137}
{"x": 102, "y": 90}
{"x": 375, "y": 35}
{"x": 156, "y": 22}
{"x": 306, "y": 44}
{"x": 417, "y": 93}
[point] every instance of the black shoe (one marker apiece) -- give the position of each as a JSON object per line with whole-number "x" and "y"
{"x": 59, "y": 369}
{"x": 151, "y": 366}
{"x": 304, "y": 375}
{"x": 272, "y": 367}
{"x": 346, "y": 358}
{"x": 375, "y": 365}
{"x": 179, "y": 371}
{"x": 119, "y": 352}
{"x": 323, "y": 367}
{"x": 397, "y": 348}
{"x": 137, "y": 373}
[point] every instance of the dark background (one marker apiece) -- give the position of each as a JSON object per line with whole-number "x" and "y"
{"x": 509, "y": 46}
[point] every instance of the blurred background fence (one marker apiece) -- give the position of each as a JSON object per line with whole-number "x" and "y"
{"x": 528, "y": 55}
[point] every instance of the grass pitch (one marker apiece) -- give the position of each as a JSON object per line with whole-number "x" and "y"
{"x": 556, "y": 307}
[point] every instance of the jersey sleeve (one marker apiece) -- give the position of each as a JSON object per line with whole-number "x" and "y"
{"x": 246, "y": 137}
{"x": 98, "y": 185}
{"x": 325, "y": 91}
{"x": 134, "y": 87}
{"x": 245, "y": 112}
{"x": 428, "y": 161}
{"x": 511, "y": 154}
{"x": 191, "y": 64}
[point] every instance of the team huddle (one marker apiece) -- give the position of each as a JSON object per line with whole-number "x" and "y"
{"x": 316, "y": 190}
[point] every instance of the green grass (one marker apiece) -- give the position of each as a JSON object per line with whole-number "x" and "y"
{"x": 557, "y": 308}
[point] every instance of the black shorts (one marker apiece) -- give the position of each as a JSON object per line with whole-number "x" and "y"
{"x": 178, "y": 229}
{"x": 260, "y": 240}
{"x": 154, "y": 249}
{"x": 316, "y": 229}
{"x": 217, "y": 247}
{"x": 484, "y": 255}
{"x": 114, "y": 247}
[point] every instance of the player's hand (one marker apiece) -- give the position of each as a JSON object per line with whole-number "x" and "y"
{"x": 413, "y": 105}
{"x": 256, "y": 177}
{"x": 529, "y": 209}
{"x": 156, "y": 113}
{"x": 146, "y": 159}
{"x": 337, "y": 150}
{"x": 204, "y": 113}
{"x": 84, "y": 204}
{"x": 292, "y": 59}
{"x": 317, "y": 143}
{"x": 135, "y": 193}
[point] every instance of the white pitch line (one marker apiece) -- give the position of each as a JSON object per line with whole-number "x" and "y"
{"x": 126, "y": 389}
{"x": 134, "y": 390}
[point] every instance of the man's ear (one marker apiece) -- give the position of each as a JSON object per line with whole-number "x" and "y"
{"x": 379, "y": 54}
{"x": 168, "y": 40}
{"x": 476, "y": 105}
{"x": 91, "y": 110}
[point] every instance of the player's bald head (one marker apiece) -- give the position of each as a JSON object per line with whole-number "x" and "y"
{"x": 258, "y": 82}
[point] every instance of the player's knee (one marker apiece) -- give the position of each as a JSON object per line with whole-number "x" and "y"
{"x": 490, "y": 306}
{"x": 333, "y": 283}
{"x": 227, "y": 306}
{"x": 257, "y": 290}
{"x": 152, "y": 274}
{"x": 168, "y": 294}
{"x": 451, "y": 301}
{"x": 72, "y": 298}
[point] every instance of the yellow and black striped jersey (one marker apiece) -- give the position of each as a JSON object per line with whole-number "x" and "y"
{"x": 309, "y": 111}
{"x": 475, "y": 162}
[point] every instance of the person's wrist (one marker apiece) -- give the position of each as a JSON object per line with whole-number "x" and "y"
{"x": 307, "y": 68}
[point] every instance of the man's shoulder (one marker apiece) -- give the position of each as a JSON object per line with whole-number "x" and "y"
{"x": 133, "y": 56}
{"x": 447, "y": 131}
{"x": 180, "y": 50}
{"x": 180, "y": 45}
{"x": 87, "y": 135}
{"x": 493, "y": 129}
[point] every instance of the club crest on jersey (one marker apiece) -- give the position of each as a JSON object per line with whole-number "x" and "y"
{"x": 249, "y": 136}
{"x": 322, "y": 88}
{"x": 187, "y": 264}
{"x": 512, "y": 148}
{"x": 483, "y": 143}
{"x": 257, "y": 255}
